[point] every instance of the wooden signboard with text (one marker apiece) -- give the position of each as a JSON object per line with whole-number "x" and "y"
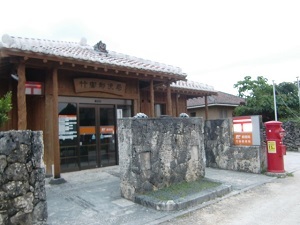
{"x": 99, "y": 85}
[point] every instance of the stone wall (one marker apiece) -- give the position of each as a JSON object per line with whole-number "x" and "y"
{"x": 292, "y": 136}
{"x": 22, "y": 174}
{"x": 220, "y": 152}
{"x": 157, "y": 152}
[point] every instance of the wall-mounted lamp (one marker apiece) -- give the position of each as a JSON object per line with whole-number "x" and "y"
{"x": 15, "y": 76}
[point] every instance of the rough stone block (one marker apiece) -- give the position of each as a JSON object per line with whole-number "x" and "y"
{"x": 220, "y": 153}
{"x": 145, "y": 161}
{"x": 162, "y": 151}
{"x": 22, "y": 184}
{"x": 3, "y": 163}
{"x": 3, "y": 218}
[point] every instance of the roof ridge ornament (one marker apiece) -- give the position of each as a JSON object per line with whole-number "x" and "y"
{"x": 8, "y": 40}
{"x": 100, "y": 47}
{"x": 83, "y": 41}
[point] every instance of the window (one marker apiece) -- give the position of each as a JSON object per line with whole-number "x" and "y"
{"x": 193, "y": 114}
{"x": 223, "y": 113}
{"x": 68, "y": 136}
{"x": 124, "y": 111}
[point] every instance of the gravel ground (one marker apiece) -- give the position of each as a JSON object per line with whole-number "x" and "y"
{"x": 277, "y": 203}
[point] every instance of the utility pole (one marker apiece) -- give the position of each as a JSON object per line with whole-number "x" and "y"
{"x": 275, "y": 105}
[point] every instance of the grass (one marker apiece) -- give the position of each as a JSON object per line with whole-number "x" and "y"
{"x": 181, "y": 190}
{"x": 289, "y": 174}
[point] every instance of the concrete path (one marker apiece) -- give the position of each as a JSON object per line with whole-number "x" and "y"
{"x": 275, "y": 202}
{"x": 93, "y": 196}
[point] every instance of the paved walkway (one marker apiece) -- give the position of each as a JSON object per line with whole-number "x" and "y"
{"x": 93, "y": 196}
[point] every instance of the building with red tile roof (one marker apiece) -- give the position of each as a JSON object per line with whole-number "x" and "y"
{"x": 75, "y": 93}
{"x": 219, "y": 106}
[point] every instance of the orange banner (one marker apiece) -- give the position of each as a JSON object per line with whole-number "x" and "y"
{"x": 107, "y": 129}
{"x": 92, "y": 130}
{"x": 87, "y": 130}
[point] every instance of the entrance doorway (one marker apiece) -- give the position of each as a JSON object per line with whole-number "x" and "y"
{"x": 97, "y": 144}
{"x": 87, "y": 131}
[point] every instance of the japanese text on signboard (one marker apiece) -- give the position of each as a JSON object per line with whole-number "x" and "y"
{"x": 99, "y": 85}
{"x": 242, "y": 131}
{"x": 243, "y": 139}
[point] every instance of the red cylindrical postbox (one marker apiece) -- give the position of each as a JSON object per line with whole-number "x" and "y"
{"x": 275, "y": 147}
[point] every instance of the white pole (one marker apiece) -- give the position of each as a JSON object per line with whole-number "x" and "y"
{"x": 298, "y": 90}
{"x": 275, "y": 106}
{"x": 52, "y": 167}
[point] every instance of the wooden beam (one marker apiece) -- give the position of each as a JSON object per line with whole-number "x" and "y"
{"x": 98, "y": 70}
{"x": 157, "y": 86}
{"x": 151, "y": 99}
{"x": 66, "y": 61}
{"x": 22, "y": 109}
{"x": 169, "y": 100}
{"x": 55, "y": 124}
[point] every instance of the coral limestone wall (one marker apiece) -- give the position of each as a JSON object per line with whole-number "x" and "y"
{"x": 292, "y": 136}
{"x": 222, "y": 154}
{"x": 156, "y": 152}
{"x": 22, "y": 178}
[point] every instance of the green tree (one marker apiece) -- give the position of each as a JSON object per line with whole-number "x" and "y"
{"x": 5, "y": 107}
{"x": 260, "y": 101}
{"x": 287, "y": 100}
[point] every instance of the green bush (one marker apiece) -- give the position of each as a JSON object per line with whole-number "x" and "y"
{"x": 5, "y": 107}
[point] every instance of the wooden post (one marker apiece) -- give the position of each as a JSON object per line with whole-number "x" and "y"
{"x": 55, "y": 125}
{"x": 21, "y": 96}
{"x": 152, "y": 114}
{"x": 169, "y": 100}
{"x": 135, "y": 106}
{"x": 48, "y": 133}
{"x": 138, "y": 101}
{"x": 177, "y": 104}
{"x": 206, "y": 107}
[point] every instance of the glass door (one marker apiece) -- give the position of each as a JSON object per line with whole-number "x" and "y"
{"x": 97, "y": 139}
{"x": 107, "y": 142}
{"x": 87, "y": 131}
{"x": 87, "y": 137}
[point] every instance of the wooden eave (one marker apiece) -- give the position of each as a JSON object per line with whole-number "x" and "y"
{"x": 190, "y": 93}
{"x": 48, "y": 61}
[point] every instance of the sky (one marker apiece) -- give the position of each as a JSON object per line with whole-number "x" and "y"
{"x": 215, "y": 42}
